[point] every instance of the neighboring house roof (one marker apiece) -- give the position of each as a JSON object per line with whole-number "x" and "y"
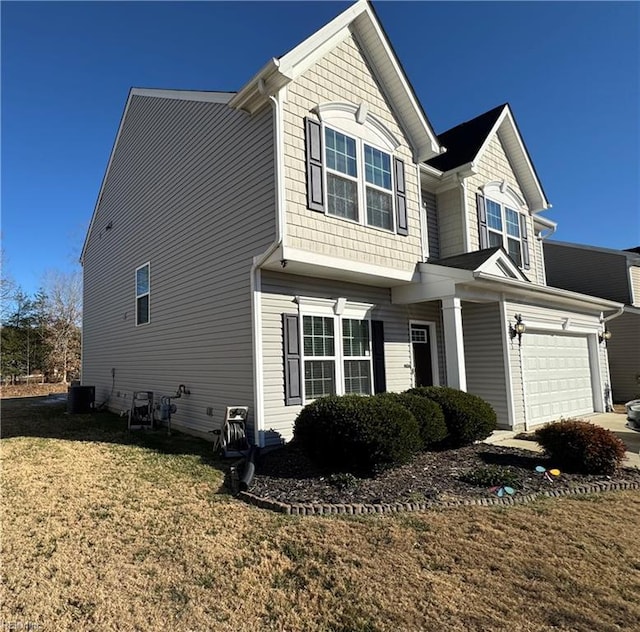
{"x": 361, "y": 21}
{"x": 465, "y": 145}
{"x": 632, "y": 254}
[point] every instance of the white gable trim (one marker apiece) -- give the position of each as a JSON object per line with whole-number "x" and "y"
{"x": 359, "y": 20}
{"x": 505, "y": 128}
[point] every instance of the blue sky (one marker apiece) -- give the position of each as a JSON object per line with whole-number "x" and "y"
{"x": 571, "y": 72}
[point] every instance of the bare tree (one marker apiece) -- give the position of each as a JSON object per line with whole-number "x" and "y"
{"x": 63, "y": 309}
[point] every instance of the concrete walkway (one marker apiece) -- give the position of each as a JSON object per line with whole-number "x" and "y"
{"x": 615, "y": 422}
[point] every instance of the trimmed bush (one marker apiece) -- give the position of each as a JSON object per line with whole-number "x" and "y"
{"x": 578, "y": 446}
{"x": 360, "y": 435}
{"x": 468, "y": 417}
{"x": 428, "y": 414}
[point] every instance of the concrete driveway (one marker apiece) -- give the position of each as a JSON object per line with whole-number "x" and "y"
{"x": 615, "y": 422}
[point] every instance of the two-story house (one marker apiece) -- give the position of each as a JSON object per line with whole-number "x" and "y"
{"x": 311, "y": 234}
{"x": 615, "y": 275}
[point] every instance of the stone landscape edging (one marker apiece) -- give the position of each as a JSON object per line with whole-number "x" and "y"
{"x": 327, "y": 509}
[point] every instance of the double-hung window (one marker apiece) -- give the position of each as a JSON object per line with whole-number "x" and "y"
{"x": 358, "y": 176}
{"x": 357, "y": 356}
{"x": 335, "y": 364}
{"x": 342, "y": 175}
{"x": 355, "y": 178}
{"x": 377, "y": 175}
{"x": 501, "y": 225}
{"x": 143, "y": 293}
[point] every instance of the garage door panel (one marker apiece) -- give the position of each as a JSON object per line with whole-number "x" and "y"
{"x": 557, "y": 376}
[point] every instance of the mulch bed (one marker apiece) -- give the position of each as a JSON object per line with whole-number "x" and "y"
{"x": 286, "y": 475}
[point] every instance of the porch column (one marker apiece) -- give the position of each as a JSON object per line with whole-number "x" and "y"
{"x": 454, "y": 343}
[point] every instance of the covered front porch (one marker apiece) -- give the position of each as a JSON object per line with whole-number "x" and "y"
{"x": 534, "y": 353}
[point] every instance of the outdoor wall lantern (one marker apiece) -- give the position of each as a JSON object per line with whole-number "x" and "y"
{"x": 605, "y": 335}
{"x": 518, "y": 329}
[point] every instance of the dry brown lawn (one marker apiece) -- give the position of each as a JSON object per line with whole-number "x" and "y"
{"x": 107, "y": 531}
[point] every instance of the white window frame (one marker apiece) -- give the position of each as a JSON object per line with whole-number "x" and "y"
{"x": 143, "y": 294}
{"x": 501, "y": 193}
{"x": 360, "y": 180}
{"x": 338, "y": 310}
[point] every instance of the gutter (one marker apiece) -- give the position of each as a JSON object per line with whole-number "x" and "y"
{"x": 528, "y": 288}
{"x": 256, "y": 277}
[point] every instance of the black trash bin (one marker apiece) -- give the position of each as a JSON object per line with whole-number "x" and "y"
{"x": 80, "y": 399}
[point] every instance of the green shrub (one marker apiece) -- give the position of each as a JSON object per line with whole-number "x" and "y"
{"x": 468, "y": 417}
{"x": 490, "y": 476}
{"x": 428, "y": 414}
{"x": 355, "y": 434}
{"x": 578, "y": 446}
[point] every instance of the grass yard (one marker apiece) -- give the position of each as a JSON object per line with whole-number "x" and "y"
{"x": 102, "y": 530}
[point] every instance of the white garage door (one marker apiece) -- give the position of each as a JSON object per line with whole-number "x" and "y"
{"x": 557, "y": 376}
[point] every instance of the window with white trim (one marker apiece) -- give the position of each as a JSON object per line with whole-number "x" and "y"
{"x": 143, "y": 294}
{"x": 336, "y": 365}
{"x": 358, "y": 176}
{"x": 503, "y": 225}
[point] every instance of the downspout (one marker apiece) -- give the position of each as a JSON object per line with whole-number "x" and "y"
{"x": 256, "y": 277}
{"x": 465, "y": 215}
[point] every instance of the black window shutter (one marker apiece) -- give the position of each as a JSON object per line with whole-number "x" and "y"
{"x": 315, "y": 175}
{"x": 292, "y": 365}
{"x": 402, "y": 225}
{"x": 525, "y": 242}
{"x": 482, "y": 221}
{"x": 377, "y": 342}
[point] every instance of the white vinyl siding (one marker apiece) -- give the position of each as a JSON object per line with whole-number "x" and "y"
{"x": 484, "y": 356}
{"x": 279, "y": 291}
{"x": 186, "y": 192}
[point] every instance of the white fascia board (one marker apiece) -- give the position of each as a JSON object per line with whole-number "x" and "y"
{"x": 326, "y": 266}
{"x": 546, "y": 293}
{"x": 422, "y": 292}
{"x": 544, "y": 203}
{"x": 544, "y": 222}
{"x": 430, "y": 271}
{"x": 506, "y": 118}
{"x": 424, "y": 139}
{"x": 106, "y": 173}
{"x": 184, "y": 95}
{"x": 253, "y": 96}
{"x": 505, "y": 261}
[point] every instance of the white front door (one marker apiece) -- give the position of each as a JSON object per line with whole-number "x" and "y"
{"x": 557, "y": 377}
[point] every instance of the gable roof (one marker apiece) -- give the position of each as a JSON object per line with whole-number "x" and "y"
{"x": 489, "y": 260}
{"x": 463, "y": 142}
{"x": 361, "y": 21}
{"x": 466, "y": 143}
